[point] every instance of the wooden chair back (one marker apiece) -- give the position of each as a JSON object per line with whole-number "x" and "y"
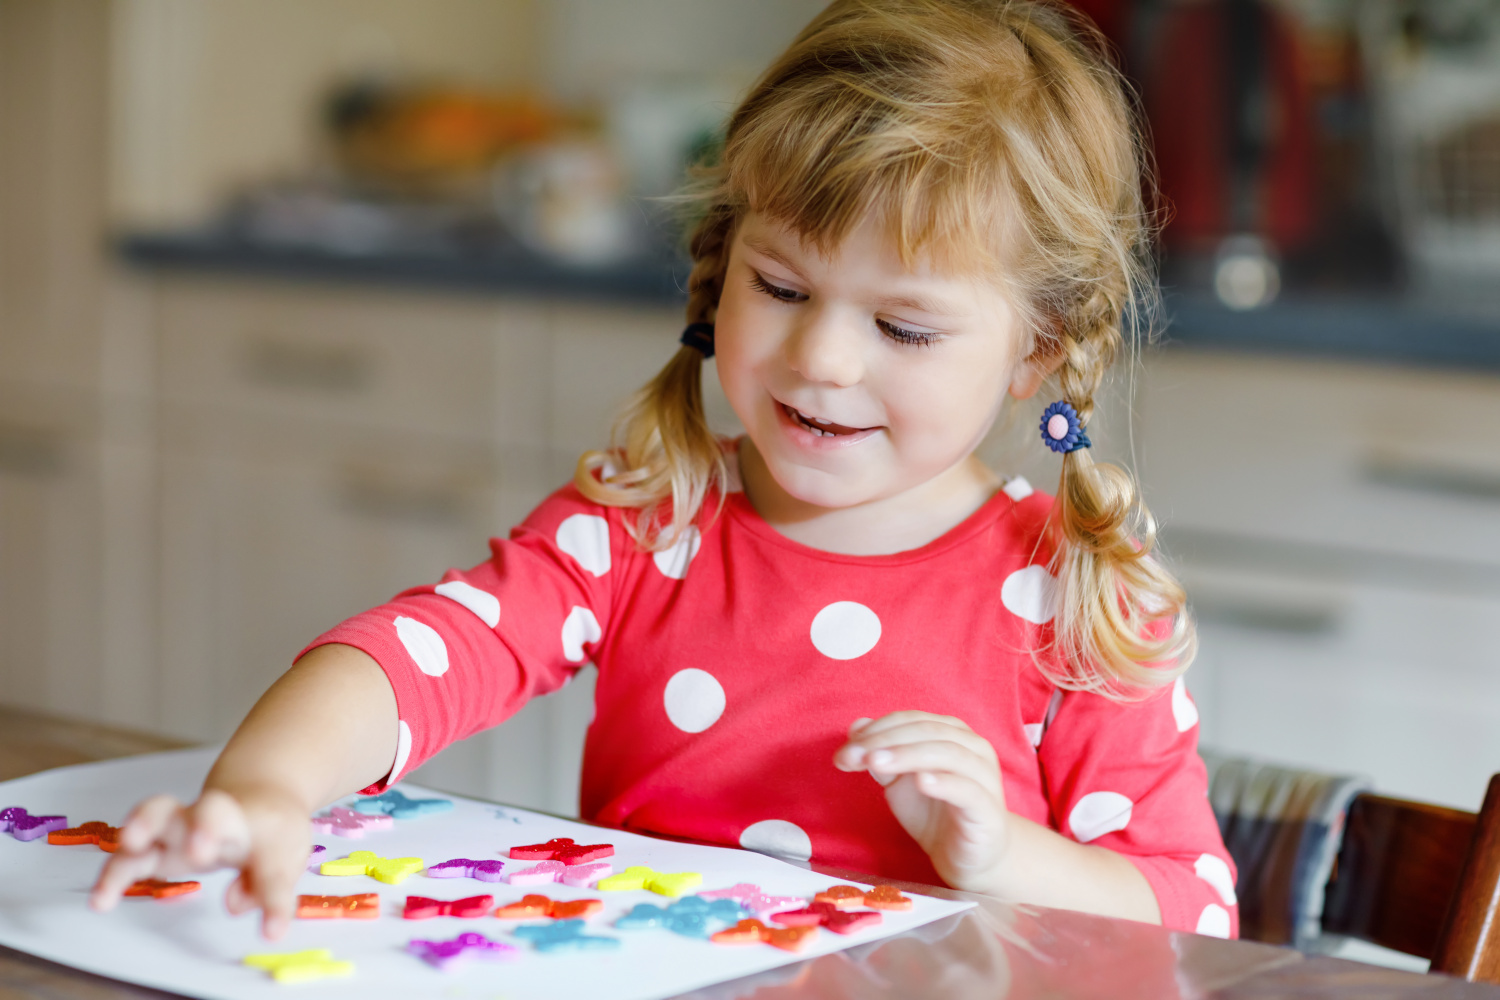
{"x": 1422, "y": 879}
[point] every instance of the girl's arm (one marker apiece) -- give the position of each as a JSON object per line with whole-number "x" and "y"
{"x": 325, "y": 729}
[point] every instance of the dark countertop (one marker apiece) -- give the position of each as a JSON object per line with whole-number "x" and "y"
{"x": 1373, "y": 327}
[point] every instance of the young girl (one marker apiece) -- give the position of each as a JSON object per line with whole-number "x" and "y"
{"x": 841, "y": 637}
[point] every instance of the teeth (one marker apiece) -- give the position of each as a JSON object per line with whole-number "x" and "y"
{"x": 821, "y": 421}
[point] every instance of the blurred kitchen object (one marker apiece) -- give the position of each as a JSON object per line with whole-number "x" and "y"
{"x": 429, "y": 139}
{"x": 1437, "y": 63}
{"x": 1256, "y": 113}
{"x": 568, "y": 199}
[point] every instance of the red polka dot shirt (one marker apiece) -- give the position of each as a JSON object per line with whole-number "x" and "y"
{"x": 730, "y": 668}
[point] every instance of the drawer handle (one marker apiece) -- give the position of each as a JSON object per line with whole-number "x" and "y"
{"x": 373, "y": 495}
{"x": 29, "y": 451}
{"x": 284, "y": 365}
{"x": 1427, "y": 476}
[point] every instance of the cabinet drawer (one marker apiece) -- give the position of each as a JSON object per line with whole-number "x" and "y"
{"x": 1333, "y": 456}
{"x": 404, "y": 361}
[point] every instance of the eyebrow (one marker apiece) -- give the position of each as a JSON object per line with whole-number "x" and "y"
{"x": 766, "y": 248}
{"x": 936, "y": 306}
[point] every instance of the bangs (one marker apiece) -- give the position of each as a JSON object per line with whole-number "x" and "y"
{"x": 883, "y": 131}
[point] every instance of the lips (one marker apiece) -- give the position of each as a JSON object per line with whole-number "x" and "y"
{"x": 819, "y": 426}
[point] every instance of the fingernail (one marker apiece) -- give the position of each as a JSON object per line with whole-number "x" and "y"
{"x": 855, "y": 756}
{"x": 880, "y": 758}
{"x": 858, "y": 724}
{"x": 926, "y": 780}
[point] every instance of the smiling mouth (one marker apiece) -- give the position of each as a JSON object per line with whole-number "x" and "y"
{"x": 822, "y": 428}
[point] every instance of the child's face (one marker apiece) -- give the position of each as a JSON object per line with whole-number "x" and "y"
{"x": 857, "y": 379}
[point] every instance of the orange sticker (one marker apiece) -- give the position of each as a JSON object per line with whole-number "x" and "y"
{"x": 528, "y": 908}
{"x": 845, "y": 897}
{"x": 362, "y": 906}
{"x": 157, "y": 889}
{"x": 887, "y": 897}
{"x": 575, "y": 909}
{"x": 106, "y": 836}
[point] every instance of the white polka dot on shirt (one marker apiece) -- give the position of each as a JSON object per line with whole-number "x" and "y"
{"x": 1212, "y": 869}
{"x": 780, "y": 837}
{"x": 1183, "y": 709}
{"x": 1098, "y": 813}
{"x": 694, "y": 700}
{"x": 585, "y": 537}
{"x": 403, "y": 750}
{"x": 423, "y": 645}
{"x": 673, "y": 561}
{"x": 845, "y": 630}
{"x": 486, "y": 606}
{"x": 1030, "y": 593}
{"x": 1033, "y": 733}
{"x": 1017, "y": 488}
{"x": 1214, "y": 921}
{"x": 578, "y": 628}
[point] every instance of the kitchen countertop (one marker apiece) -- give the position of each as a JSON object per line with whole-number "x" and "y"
{"x": 1370, "y": 326}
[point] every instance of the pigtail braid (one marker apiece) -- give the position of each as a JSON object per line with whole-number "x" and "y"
{"x": 662, "y": 448}
{"x": 1122, "y": 620}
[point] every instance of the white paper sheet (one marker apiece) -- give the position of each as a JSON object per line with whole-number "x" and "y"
{"x": 190, "y": 945}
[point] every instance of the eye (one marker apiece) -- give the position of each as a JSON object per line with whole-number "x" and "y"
{"x": 776, "y": 292}
{"x": 914, "y": 337}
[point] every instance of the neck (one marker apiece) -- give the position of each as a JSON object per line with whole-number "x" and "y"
{"x": 883, "y": 526}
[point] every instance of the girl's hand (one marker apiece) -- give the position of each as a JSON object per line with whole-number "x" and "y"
{"x": 942, "y": 781}
{"x": 265, "y": 836}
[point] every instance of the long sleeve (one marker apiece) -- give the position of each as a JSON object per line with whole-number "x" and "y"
{"x": 1127, "y": 776}
{"x": 468, "y": 652}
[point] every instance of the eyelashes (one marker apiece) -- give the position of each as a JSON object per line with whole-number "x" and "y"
{"x": 790, "y": 296}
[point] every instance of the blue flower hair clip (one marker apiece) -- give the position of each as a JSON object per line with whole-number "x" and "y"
{"x": 1062, "y": 431}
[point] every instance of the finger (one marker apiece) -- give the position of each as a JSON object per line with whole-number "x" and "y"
{"x": 936, "y": 755}
{"x": 216, "y": 834}
{"x": 146, "y": 823}
{"x": 120, "y": 872}
{"x": 854, "y": 755}
{"x": 274, "y": 882}
{"x": 960, "y": 792}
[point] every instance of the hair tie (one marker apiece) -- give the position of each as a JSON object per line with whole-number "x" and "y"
{"x": 1062, "y": 431}
{"x": 699, "y": 336}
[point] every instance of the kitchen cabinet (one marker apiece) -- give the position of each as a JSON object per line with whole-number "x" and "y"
{"x": 1338, "y": 526}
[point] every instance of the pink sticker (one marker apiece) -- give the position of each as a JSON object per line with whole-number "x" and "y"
{"x": 538, "y": 874}
{"x": 586, "y": 875}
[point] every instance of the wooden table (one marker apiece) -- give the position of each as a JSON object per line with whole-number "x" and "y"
{"x": 996, "y": 950}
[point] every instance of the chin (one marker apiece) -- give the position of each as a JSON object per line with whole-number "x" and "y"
{"x": 819, "y": 487}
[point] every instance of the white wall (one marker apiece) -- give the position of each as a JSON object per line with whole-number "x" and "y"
{"x": 208, "y": 95}
{"x": 593, "y": 44}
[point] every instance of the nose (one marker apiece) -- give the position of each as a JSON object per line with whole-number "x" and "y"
{"x": 827, "y": 348}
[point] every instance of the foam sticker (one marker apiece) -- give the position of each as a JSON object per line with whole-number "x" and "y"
{"x": 830, "y": 916}
{"x": 158, "y": 889}
{"x": 844, "y": 897}
{"x": 887, "y": 897}
{"x": 447, "y": 955}
{"x": 106, "y": 836}
{"x": 23, "y": 826}
{"x": 362, "y": 906}
{"x": 689, "y": 917}
{"x": 526, "y": 908}
{"x": 341, "y": 822}
{"x": 585, "y": 875}
{"x": 661, "y": 883}
{"x": 315, "y": 858}
{"x": 538, "y": 874}
{"x": 562, "y": 849}
{"x": 422, "y": 908}
{"x": 753, "y": 899}
{"x": 754, "y": 932}
{"x": 300, "y": 966}
{"x": 484, "y": 871}
{"x": 535, "y": 906}
{"x": 398, "y": 806}
{"x": 392, "y": 871}
{"x": 563, "y": 935}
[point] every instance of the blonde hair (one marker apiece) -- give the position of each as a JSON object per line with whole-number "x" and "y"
{"x": 994, "y": 137}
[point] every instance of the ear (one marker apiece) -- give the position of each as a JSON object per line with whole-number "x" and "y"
{"x": 1046, "y": 357}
